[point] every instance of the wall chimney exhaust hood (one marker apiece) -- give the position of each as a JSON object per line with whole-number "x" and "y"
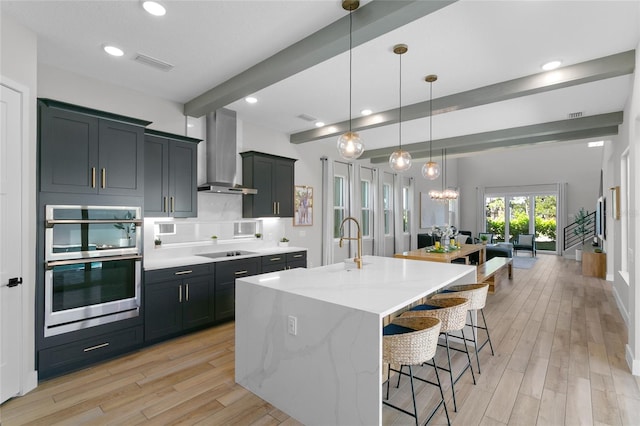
{"x": 221, "y": 154}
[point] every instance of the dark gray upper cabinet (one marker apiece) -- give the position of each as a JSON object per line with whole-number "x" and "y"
{"x": 273, "y": 177}
{"x": 86, "y": 151}
{"x": 170, "y": 175}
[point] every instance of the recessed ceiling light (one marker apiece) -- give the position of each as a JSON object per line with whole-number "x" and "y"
{"x": 251, "y": 100}
{"x": 551, "y": 65}
{"x": 595, "y": 144}
{"x": 112, "y": 50}
{"x": 366, "y": 112}
{"x": 319, "y": 123}
{"x": 154, "y": 8}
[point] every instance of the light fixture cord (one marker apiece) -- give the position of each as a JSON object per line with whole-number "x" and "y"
{"x": 430, "y": 119}
{"x": 400, "y": 107}
{"x": 350, "y": 61}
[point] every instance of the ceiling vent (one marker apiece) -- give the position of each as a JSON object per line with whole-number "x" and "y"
{"x": 306, "y": 117}
{"x": 575, "y": 114}
{"x": 153, "y": 62}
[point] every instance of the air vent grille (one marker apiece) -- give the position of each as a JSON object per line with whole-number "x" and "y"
{"x": 575, "y": 114}
{"x": 153, "y": 62}
{"x": 306, "y": 117}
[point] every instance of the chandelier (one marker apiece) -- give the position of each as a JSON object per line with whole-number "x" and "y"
{"x": 446, "y": 194}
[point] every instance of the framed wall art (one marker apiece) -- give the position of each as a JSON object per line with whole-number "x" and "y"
{"x": 303, "y": 204}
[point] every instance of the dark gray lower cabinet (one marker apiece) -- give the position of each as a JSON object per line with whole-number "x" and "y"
{"x": 81, "y": 353}
{"x": 177, "y": 300}
{"x": 280, "y": 262}
{"x": 226, "y": 274}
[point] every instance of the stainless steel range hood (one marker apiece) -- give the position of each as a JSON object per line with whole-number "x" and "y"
{"x": 221, "y": 154}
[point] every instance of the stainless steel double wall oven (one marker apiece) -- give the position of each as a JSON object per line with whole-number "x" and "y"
{"x": 93, "y": 266}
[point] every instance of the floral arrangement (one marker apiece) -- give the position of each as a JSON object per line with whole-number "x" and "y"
{"x": 444, "y": 231}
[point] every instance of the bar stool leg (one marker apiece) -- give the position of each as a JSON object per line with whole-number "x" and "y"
{"x": 475, "y": 341}
{"x": 466, "y": 349}
{"x": 413, "y": 394}
{"x": 486, "y": 328}
{"x": 453, "y": 391}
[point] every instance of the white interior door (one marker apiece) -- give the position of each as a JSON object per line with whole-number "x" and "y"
{"x": 10, "y": 242}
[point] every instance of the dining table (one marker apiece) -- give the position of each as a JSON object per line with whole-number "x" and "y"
{"x": 446, "y": 255}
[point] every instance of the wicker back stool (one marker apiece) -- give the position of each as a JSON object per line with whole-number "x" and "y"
{"x": 477, "y": 295}
{"x": 452, "y": 313}
{"x": 409, "y": 342}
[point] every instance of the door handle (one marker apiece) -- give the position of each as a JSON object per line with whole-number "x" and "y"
{"x": 173, "y": 204}
{"x": 14, "y": 282}
{"x": 104, "y": 178}
{"x": 164, "y": 202}
{"x": 93, "y": 177}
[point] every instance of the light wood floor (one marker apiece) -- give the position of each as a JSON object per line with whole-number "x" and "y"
{"x": 559, "y": 343}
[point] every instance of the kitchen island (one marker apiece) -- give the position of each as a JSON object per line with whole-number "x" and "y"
{"x": 309, "y": 341}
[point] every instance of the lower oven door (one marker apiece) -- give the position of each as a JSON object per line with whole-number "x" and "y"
{"x": 88, "y": 292}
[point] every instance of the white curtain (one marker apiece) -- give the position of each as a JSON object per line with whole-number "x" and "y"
{"x": 327, "y": 211}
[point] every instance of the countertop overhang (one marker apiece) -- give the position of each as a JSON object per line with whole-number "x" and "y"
{"x": 383, "y": 285}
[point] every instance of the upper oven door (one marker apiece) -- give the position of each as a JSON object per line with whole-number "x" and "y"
{"x": 74, "y": 232}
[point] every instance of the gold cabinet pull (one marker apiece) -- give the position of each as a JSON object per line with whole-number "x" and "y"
{"x": 297, "y": 255}
{"x": 173, "y": 204}
{"x": 180, "y": 293}
{"x": 164, "y": 204}
{"x": 186, "y": 292}
{"x": 188, "y": 271}
{"x": 275, "y": 259}
{"x": 274, "y": 207}
{"x": 93, "y": 177}
{"x": 241, "y": 272}
{"x": 104, "y": 178}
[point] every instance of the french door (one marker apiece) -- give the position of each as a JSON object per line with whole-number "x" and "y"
{"x": 508, "y": 216}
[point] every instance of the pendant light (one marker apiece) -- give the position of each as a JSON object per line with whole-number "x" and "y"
{"x": 400, "y": 160}
{"x": 430, "y": 169}
{"x": 350, "y": 145}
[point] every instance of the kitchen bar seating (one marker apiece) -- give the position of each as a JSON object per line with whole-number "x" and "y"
{"x": 477, "y": 295}
{"x": 408, "y": 342}
{"x": 452, "y": 313}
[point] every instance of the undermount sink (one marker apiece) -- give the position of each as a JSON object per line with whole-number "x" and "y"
{"x": 230, "y": 253}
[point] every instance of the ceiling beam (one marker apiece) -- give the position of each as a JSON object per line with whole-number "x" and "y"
{"x": 369, "y": 22}
{"x": 584, "y": 72}
{"x": 564, "y": 130}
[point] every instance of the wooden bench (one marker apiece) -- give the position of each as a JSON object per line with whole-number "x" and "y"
{"x": 494, "y": 271}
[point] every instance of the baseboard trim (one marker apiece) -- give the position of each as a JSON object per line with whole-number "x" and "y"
{"x": 623, "y": 312}
{"x": 634, "y": 364}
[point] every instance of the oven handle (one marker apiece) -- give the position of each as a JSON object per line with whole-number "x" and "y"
{"x": 50, "y": 265}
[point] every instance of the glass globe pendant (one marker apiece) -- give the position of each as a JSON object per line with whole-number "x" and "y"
{"x": 350, "y": 145}
{"x": 430, "y": 170}
{"x": 400, "y": 160}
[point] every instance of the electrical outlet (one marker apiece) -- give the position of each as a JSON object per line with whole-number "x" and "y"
{"x": 292, "y": 325}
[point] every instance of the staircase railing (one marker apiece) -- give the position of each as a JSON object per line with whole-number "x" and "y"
{"x": 571, "y": 238}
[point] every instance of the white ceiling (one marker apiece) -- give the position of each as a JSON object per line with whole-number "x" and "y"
{"x": 468, "y": 44}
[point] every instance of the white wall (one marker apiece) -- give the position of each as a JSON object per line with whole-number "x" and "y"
{"x": 18, "y": 64}
{"x": 65, "y": 86}
{"x": 570, "y": 162}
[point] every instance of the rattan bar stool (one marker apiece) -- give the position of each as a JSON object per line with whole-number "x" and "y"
{"x": 452, "y": 313}
{"x": 409, "y": 342}
{"x": 477, "y": 295}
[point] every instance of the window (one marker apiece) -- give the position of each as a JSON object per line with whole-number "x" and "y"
{"x": 365, "y": 187}
{"x": 339, "y": 207}
{"x": 406, "y": 212}
{"x": 387, "y": 206}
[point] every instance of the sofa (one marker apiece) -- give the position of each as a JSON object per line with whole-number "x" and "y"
{"x": 499, "y": 250}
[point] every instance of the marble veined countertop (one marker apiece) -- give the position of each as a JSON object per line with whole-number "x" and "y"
{"x": 382, "y": 286}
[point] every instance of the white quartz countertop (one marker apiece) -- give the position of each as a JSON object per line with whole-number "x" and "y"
{"x": 383, "y": 286}
{"x": 178, "y": 259}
